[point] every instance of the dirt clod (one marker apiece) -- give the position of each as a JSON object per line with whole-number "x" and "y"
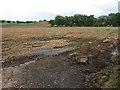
{"x": 106, "y": 40}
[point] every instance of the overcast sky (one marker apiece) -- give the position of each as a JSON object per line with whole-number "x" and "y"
{"x": 48, "y": 9}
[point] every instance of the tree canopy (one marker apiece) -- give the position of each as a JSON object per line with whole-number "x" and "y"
{"x": 112, "y": 19}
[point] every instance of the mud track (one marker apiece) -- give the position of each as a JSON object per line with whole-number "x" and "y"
{"x": 43, "y": 68}
{"x": 52, "y": 68}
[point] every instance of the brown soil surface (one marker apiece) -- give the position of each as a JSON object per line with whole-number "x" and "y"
{"x": 55, "y": 65}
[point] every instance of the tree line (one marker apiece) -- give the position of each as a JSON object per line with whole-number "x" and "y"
{"x": 21, "y": 22}
{"x": 78, "y": 20}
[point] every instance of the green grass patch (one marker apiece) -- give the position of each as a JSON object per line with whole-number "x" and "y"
{"x": 114, "y": 79}
{"x": 75, "y": 43}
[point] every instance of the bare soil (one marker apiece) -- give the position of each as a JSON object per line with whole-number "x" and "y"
{"x": 57, "y": 57}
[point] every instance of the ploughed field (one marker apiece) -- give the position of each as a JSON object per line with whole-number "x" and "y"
{"x": 60, "y": 57}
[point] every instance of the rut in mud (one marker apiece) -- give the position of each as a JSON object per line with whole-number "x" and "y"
{"x": 37, "y": 54}
{"x": 52, "y": 70}
{"x": 58, "y": 68}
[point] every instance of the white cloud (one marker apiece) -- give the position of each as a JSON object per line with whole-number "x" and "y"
{"x": 23, "y": 9}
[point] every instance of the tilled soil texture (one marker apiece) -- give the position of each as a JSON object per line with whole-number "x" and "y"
{"x": 71, "y": 57}
{"x": 64, "y": 67}
{"x": 17, "y": 40}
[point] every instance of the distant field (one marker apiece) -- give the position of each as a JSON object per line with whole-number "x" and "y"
{"x": 17, "y": 40}
{"x": 30, "y": 25}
